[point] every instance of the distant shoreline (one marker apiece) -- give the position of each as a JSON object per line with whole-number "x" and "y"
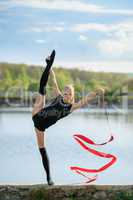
{"x": 82, "y": 110}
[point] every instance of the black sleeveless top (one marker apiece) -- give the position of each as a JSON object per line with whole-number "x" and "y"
{"x": 51, "y": 113}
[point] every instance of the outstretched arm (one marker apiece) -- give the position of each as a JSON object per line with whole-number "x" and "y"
{"x": 55, "y": 84}
{"x": 87, "y": 99}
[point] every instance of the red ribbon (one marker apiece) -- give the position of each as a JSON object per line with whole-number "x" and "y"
{"x": 81, "y": 139}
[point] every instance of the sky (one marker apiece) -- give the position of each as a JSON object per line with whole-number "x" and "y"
{"x": 92, "y": 35}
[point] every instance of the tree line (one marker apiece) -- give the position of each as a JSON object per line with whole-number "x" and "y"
{"x": 27, "y": 77}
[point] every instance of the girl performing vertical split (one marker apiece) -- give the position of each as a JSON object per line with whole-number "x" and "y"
{"x": 62, "y": 105}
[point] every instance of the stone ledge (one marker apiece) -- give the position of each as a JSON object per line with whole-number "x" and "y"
{"x": 66, "y": 192}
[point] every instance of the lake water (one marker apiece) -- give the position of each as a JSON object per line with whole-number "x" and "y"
{"x": 20, "y": 161}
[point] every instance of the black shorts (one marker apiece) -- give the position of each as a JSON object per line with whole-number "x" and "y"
{"x": 37, "y": 123}
{"x": 42, "y": 122}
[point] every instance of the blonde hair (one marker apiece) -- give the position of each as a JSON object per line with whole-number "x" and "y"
{"x": 71, "y": 87}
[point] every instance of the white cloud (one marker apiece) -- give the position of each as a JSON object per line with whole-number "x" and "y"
{"x": 74, "y": 5}
{"x": 124, "y": 26}
{"x": 112, "y": 47}
{"x": 40, "y": 28}
{"x": 91, "y": 26}
{"x": 83, "y": 38}
{"x": 118, "y": 37}
{"x": 39, "y": 41}
{"x": 60, "y": 5}
{"x": 120, "y": 40}
{"x": 116, "y": 47}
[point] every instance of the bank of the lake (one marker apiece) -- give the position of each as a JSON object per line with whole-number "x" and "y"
{"x": 69, "y": 192}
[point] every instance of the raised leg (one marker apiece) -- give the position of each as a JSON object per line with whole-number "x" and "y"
{"x": 40, "y": 99}
{"x": 45, "y": 75}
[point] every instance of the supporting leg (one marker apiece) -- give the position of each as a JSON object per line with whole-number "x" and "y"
{"x": 46, "y": 165}
{"x": 44, "y": 155}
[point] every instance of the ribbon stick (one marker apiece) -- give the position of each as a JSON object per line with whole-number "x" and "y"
{"x": 81, "y": 139}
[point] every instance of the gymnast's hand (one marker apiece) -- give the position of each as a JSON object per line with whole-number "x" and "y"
{"x": 50, "y": 59}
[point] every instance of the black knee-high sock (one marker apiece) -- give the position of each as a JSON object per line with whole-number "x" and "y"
{"x": 45, "y": 75}
{"x": 44, "y": 80}
{"x": 45, "y": 161}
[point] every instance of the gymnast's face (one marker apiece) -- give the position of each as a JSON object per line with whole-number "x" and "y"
{"x": 67, "y": 94}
